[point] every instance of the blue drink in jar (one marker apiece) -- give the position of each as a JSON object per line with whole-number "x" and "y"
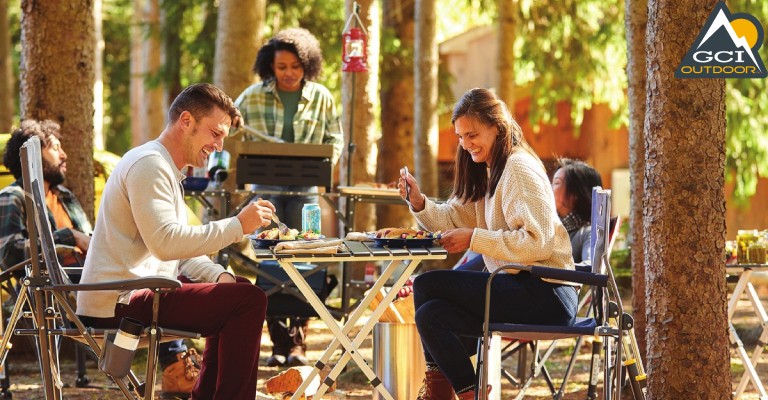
{"x": 310, "y": 218}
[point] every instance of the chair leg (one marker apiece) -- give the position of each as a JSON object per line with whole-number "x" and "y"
{"x": 522, "y": 361}
{"x": 569, "y": 368}
{"x": 594, "y": 368}
{"x": 5, "y": 382}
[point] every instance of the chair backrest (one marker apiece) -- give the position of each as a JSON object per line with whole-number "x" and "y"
{"x": 601, "y": 225}
{"x": 37, "y": 212}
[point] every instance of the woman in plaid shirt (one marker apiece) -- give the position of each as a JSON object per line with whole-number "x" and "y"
{"x": 287, "y": 106}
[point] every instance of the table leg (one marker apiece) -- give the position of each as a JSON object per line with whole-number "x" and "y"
{"x": 757, "y": 306}
{"x": 749, "y": 368}
{"x": 341, "y": 333}
{"x": 368, "y": 326}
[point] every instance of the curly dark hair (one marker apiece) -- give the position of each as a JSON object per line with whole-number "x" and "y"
{"x": 44, "y": 130}
{"x": 299, "y": 42}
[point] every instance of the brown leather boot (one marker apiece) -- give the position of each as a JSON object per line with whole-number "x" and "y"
{"x": 180, "y": 377}
{"x": 298, "y": 332}
{"x": 436, "y": 387}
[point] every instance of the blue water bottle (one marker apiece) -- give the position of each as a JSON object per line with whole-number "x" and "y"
{"x": 310, "y": 218}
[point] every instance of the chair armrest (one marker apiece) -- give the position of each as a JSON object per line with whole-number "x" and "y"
{"x": 151, "y": 282}
{"x": 587, "y": 278}
{"x": 14, "y": 271}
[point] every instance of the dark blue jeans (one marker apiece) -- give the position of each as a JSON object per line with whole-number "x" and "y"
{"x": 450, "y": 306}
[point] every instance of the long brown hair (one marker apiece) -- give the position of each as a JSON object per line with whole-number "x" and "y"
{"x": 471, "y": 181}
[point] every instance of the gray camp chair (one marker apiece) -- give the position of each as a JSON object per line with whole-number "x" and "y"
{"x": 47, "y": 298}
{"x": 610, "y": 324}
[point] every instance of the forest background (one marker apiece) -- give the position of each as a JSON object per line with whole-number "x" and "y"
{"x": 106, "y": 70}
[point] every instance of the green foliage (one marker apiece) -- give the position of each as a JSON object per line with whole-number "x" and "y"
{"x": 621, "y": 261}
{"x": 188, "y": 32}
{"x": 458, "y": 16}
{"x": 575, "y": 51}
{"x": 117, "y": 15}
{"x": 747, "y": 118}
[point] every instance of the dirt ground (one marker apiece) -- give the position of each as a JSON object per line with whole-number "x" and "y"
{"x": 352, "y": 384}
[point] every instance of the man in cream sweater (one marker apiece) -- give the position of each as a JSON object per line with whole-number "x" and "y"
{"x": 142, "y": 230}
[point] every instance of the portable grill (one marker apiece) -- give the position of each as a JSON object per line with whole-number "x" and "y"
{"x": 284, "y": 164}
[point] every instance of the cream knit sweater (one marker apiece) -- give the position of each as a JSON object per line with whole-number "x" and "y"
{"x": 142, "y": 230}
{"x": 516, "y": 224}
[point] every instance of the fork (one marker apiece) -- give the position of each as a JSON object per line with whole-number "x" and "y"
{"x": 407, "y": 189}
{"x": 283, "y": 228}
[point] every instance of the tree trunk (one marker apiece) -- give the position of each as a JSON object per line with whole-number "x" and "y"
{"x": 636, "y": 18}
{"x": 684, "y": 219}
{"x": 171, "y": 21}
{"x": 425, "y": 110}
{"x": 98, "y": 82}
{"x": 359, "y": 100}
{"x": 238, "y": 38}
{"x": 396, "y": 145}
{"x": 57, "y": 81}
{"x": 147, "y": 113}
{"x": 507, "y": 26}
{"x": 7, "y": 90}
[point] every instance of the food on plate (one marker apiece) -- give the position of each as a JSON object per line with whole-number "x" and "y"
{"x": 274, "y": 234}
{"x": 308, "y": 235}
{"x": 294, "y": 234}
{"x": 405, "y": 233}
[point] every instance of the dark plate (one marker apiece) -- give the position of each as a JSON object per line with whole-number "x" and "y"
{"x": 402, "y": 242}
{"x": 267, "y": 243}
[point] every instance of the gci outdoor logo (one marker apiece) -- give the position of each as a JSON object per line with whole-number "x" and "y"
{"x": 725, "y": 48}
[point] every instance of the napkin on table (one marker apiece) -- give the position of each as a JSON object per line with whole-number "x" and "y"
{"x": 358, "y": 236}
{"x": 310, "y": 247}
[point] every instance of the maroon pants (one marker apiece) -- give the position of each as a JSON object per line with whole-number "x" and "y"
{"x": 229, "y": 315}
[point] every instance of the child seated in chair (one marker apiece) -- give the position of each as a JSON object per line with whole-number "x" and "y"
{"x": 502, "y": 207}
{"x": 572, "y": 184}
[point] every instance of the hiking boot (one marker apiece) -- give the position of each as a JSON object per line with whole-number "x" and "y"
{"x": 180, "y": 377}
{"x": 297, "y": 357}
{"x": 436, "y": 387}
{"x": 276, "y": 360}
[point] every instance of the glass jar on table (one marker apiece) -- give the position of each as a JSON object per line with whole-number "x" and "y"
{"x": 744, "y": 239}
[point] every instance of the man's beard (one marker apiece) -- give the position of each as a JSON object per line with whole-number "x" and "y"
{"x": 52, "y": 174}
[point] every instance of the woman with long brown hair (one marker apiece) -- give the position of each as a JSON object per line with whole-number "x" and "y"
{"x": 502, "y": 207}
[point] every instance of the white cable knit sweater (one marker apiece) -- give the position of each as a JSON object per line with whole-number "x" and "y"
{"x": 142, "y": 230}
{"x": 516, "y": 224}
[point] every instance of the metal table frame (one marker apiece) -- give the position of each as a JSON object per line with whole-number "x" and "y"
{"x": 744, "y": 285}
{"x": 357, "y": 251}
{"x": 353, "y": 195}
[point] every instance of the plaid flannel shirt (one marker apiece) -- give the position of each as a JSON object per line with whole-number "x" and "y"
{"x": 316, "y": 120}
{"x": 13, "y": 222}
